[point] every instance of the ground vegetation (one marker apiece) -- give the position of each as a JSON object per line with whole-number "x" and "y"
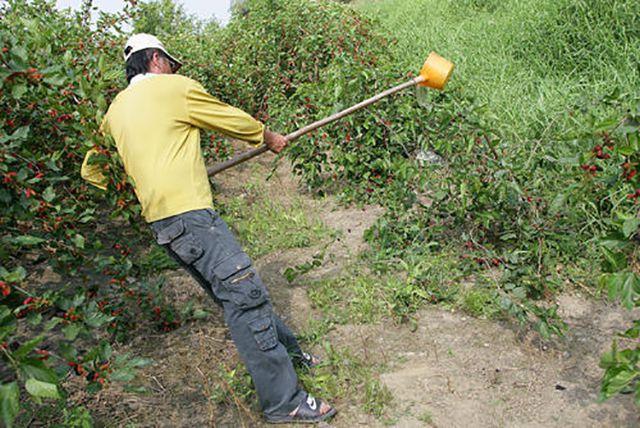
{"x": 535, "y": 187}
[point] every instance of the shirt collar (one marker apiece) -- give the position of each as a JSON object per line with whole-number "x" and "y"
{"x": 140, "y": 77}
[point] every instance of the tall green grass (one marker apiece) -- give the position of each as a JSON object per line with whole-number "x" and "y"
{"x": 535, "y": 63}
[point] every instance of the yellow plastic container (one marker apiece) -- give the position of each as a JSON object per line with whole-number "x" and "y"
{"x": 436, "y": 71}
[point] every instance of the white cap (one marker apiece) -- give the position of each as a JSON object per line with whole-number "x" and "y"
{"x": 141, "y": 41}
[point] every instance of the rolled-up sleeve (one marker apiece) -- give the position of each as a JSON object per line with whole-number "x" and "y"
{"x": 208, "y": 112}
{"x": 93, "y": 173}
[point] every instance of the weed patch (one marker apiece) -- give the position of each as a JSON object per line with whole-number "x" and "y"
{"x": 265, "y": 225}
{"x": 345, "y": 377}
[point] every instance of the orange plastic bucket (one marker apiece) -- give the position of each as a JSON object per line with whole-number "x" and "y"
{"x": 436, "y": 71}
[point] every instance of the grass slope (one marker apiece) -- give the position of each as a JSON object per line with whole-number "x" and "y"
{"x": 530, "y": 61}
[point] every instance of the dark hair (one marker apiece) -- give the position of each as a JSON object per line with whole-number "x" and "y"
{"x": 138, "y": 62}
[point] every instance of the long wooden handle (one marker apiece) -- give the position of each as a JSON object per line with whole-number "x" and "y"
{"x": 213, "y": 170}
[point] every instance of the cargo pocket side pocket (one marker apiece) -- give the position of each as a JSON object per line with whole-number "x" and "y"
{"x": 241, "y": 282}
{"x": 264, "y": 333}
{"x": 181, "y": 242}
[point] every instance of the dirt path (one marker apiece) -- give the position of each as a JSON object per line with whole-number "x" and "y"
{"x": 457, "y": 371}
{"x": 451, "y": 371}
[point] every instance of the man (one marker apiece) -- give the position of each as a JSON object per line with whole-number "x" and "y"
{"x": 155, "y": 124}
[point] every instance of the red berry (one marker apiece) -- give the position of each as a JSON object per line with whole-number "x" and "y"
{"x": 44, "y": 354}
{"x": 5, "y": 290}
{"x": 8, "y": 177}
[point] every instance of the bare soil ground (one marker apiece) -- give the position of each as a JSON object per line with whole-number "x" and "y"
{"x": 453, "y": 370}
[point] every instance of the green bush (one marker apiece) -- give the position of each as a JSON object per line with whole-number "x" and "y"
{"x": 531, "y": 203}
{"x": 58, "y": 72}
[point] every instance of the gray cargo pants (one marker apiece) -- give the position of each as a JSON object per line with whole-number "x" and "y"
{"x": 202, "y": 243}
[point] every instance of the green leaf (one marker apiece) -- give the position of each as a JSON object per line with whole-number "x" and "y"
{"x": 9, "y": 402}
{"x": 139, "y": 362}
{"x": 97, "y": 319}
{"x": 616, "y": 380}
{"x": 34, "y": 318}
{"x": 42, "y": 389}
{"x": 609, "y": 281}
{"x": 20, "y": 52}
{"x": 626, "y": 150}
{"x": 624, "y": 286}
{"x": 614, "y": 261}
{"x": 55, "y": 80}
{"x": 78, "y": 240}
{"x": 93, "y": 387}
{"x": 27, "y": 347}
{"x": 18, "y": 91}
{"x": 557, "y": 203}
{"x": 19, "y": 134}
{"x": 630, "y": 226}
{"x": 135, "y": 389}
{"x": 48, "y": 194}
{"x": 543, "y": 329}
{"x": 68, "y": 351}
{"x": 520, "y": 292}
{"x": 100, "y": 352}
{"x": 34, "y": 368}
{"x": 290, "y": 274}
{"x": 101, "y": 103}
{"x": 52, "y": 323}
{"x": 17, "y": 275}
{"x": 123, "y": 375}
{"x": 630, "y": 290}
{"x": 606, "y": 124}
{"x": 71, "y": 331}
{"x": 614, "y": 241}
{"x": 633, "y": 332}
{"x": 24, "y": 240}
{"x": 199, "y": 314}
{"x": 5, "y": 314}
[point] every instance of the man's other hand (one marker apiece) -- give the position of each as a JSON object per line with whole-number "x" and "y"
{"x": 274, "y": 141}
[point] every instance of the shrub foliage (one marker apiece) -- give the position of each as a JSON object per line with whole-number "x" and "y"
{"x": 534, "y": 212}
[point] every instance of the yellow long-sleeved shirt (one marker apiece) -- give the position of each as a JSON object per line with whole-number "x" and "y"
{"x": 155, "y": 124}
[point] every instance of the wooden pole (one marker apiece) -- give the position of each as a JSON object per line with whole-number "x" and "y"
{"x": 213, "y": 170}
